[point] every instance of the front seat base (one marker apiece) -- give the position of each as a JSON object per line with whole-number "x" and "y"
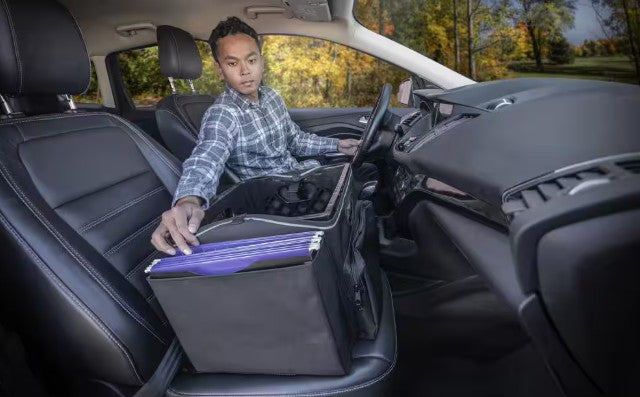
{"x": 373, "y": 363}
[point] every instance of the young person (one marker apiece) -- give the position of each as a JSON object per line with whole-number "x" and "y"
{"x": 247, "y": 128}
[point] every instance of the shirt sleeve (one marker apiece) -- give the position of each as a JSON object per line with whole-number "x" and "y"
{"x": 201, "y": 171}
{"x": 302, "y": 143}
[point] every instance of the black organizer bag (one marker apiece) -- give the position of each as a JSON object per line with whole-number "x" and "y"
{"x": 300, "y": 319}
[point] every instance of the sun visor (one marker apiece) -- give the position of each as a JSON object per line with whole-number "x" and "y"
{"x": 307, "y": 10}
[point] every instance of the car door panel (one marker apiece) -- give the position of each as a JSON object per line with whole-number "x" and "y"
{"x": 331, "y": 122}
{"x": 335, "y": 122}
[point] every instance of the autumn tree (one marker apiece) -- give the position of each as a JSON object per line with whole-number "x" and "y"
{"x": 623, "y": 20}
{"x": 545, "y": 20}
{"x": 488, "y": 27}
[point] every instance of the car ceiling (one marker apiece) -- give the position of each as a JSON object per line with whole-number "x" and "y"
{"x": 99, "y": 20}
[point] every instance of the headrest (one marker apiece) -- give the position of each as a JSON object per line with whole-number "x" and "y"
{"x": 41, "y": 49}
{"x": 178, "y": 53}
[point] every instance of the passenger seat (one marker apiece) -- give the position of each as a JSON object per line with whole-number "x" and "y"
{"x": 80, "y": 194}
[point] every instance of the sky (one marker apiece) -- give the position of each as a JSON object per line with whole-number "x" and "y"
{"x": 586, "y": 24}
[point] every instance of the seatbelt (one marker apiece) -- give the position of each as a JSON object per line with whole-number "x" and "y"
{"x": 163, "y": 375}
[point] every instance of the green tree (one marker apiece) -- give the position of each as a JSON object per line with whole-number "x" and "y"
{"x": 545, "y": 20}
{"x": 622, "y": 20}
{"x": 561, "y": 52}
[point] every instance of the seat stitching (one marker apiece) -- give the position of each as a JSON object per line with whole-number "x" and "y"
{"x": 69, "y": 294}
{"x": 197, "y": 102}
{"x": 140, "y": 135}
{"x": 173, "y": 38}
{"x": 141, "y": 263}
{"x": 135, "y": 130}
{"x": 116, "y": 211}
{"x": 180, "y": 120}
{"x": 128, "y": 239}
{"x": 46, "y": 117}
{"x": 151, "y": 299}
{"x": 8, "y": 177}
{"x": 21, "y": 132}
{"x": 178, "y": 108}
{"x": 80, "y": 130}
{"x": 101, "y": 189}
{"x": 16, "y": 51}
{"x": 146, "y": 141}
{"x": 84, "y": 45}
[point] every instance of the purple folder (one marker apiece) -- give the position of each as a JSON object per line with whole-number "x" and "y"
{"x": 240, "y": 255}
{"x": 228, "y": 265}
{"x": 215, "y": 255}
{"x": 258, "y": 240}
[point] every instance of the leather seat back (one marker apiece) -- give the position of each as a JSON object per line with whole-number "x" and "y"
{"x": 80, "y": 194}
{"x": 179, "y": 115}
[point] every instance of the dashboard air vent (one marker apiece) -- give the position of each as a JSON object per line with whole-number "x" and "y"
{"x": 569, "y": 181}
{"x": 632, "y": 166}
{"x": 542, "y": 191}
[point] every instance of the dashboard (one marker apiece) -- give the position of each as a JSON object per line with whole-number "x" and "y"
{"x": 555, "y": 165}
{"x": 487, "y": 138}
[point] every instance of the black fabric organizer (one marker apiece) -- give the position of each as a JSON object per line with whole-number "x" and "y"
{"x": 299, "y": 319}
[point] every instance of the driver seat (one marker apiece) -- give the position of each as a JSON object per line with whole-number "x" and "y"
{"x": 80, "y": 194}
{"x": 179, "y": 116}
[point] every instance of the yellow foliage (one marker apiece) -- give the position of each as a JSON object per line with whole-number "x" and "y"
{"x": 315, "y": 73}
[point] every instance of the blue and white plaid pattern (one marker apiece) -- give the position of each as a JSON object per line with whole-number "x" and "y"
{"x": 253, "y": 139}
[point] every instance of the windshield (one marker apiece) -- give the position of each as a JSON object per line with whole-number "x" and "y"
{"x": 496, "y": 39}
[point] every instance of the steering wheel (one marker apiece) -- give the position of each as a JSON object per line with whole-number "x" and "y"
{"x": 373, "y": 126}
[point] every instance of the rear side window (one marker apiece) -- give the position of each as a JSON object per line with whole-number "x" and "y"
{"x": 140, "y": 70}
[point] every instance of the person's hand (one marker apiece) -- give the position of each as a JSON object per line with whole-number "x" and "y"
{"x": 179, "y": 223}
{"x": 348, "y": 146}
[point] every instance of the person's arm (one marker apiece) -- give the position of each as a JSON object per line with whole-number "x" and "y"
{"x": 302, "y": 143}
{"x": 200, "y": 175}
{"x": 202, "y": 170}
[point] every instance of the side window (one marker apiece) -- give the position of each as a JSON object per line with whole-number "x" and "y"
{"x": 92, "y": 95}
{"x": 317, "y": 73}
{"x": 140, "y": 70}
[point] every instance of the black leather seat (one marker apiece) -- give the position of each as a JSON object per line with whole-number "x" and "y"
{"x": 179, "y": 116}
{"x": 80, "y": 194}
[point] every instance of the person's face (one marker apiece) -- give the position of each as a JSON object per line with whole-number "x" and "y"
{"x": 240, "y": 63}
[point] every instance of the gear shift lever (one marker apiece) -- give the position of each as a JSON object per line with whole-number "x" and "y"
{"x": 368, "y": 190}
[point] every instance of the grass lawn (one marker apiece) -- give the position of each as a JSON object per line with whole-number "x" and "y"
{"x": 614, "y": 68}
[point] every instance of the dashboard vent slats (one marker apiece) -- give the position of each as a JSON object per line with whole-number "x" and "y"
{"x": 569, "y": 181}
{"x": 532, "y": 198}
{"x": 631, "y": 166}
{"x": 549, "y": 189}
{"x": 540, "y": 191}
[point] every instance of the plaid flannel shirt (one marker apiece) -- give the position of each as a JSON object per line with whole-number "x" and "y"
{"x": 253, "y": 139}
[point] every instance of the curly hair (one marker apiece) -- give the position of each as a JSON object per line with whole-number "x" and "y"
{"x": 228, "y": 27}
